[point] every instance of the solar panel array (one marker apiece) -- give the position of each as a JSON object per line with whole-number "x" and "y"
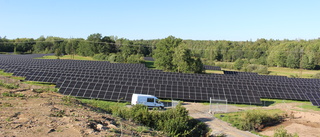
{"x": 314, "y": 97}
{"x": 239, "y": 73}
{"x": 118, "y": 81}
{"x": 148, "y": 58}
{"x": 207, "y": 67}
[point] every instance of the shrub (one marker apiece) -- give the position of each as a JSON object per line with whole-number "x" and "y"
{"x": 9, "y": 94}
{"x": 317, "y": 76}
{"x": 9, "y": 86}
{"x": 112, "y": 57}
{"x": 227, "y": 65}
{"x": 253, "y": 119}
{"x": 281, "y": 132}
{"x": 238, "y": 64}
{"x": 100, "y": 56}
{"x": 135, "y": 58}
{"x": 257, "y": 68}
{"x": 175, "y": 122}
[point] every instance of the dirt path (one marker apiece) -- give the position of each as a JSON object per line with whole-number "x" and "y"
{"x": 306, "y": 123}
{"x": 200, "y": 112}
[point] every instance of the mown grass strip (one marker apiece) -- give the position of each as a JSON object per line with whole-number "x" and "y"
{"x": 75, "y": 57}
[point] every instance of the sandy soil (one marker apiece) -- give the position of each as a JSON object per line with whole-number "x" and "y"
{"x": 46, "y": 114}
{"x": 306, "y": 123}
{"x": 218, "y": 127}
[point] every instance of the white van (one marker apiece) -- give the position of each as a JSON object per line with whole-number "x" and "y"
{"x": 148, "y": 100}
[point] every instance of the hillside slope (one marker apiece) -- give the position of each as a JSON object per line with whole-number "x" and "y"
{"x": 32, "y": 114}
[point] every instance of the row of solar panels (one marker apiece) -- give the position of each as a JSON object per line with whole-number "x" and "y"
{"x": 166, "y": 85}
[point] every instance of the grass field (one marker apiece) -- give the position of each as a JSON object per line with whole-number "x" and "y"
{"x": 281, "y": 71}
{"x": 214, "y": 71}
{"x": 38, "y": 83}
{"x": 2, "y": 73}
{"x": 76, "y": 57}
{"x": 292, "y": 72}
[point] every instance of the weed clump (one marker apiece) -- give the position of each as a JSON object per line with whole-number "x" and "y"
{"x": 253, "y": 120}
{"x": 10, "y": 94}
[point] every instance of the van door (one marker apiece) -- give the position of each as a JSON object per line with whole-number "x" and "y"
{"x": 151, "y": 102}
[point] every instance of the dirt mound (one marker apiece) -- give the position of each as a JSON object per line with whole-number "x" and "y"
{"x": 46, "y": 114}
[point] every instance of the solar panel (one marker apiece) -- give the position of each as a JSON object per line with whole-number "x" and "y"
{"x": 109, "y": 81}
{"x": 314, "y": 98}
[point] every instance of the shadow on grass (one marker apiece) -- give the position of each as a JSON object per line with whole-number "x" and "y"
{"x": 38, "y": 83}
{"x": 149, "y": 64}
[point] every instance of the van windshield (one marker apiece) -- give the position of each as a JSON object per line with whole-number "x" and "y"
{"x": 158, "y": 101}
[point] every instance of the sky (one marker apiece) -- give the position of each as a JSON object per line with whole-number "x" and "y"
{"x": 235, "y": 20}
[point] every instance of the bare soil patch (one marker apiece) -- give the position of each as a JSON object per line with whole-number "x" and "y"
{"x": 46, "y": 114}
{"x": 306, "y": 123}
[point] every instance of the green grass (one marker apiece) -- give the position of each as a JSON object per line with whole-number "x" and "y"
{"x": 9, "y": 94}
{"x": 8, "y": 85}
{"x": 252, "y": 119}
{"x": 2, "y": 73}
{"x": 38, "y": 83}
{"x": 76, "y": 57}
{"x": 105, "y": 105}
{"x": 214, "y": 71}
{"x": 265, "y": 102}
{"x": 281, "y": 71}
{"x": 309, "y": 106}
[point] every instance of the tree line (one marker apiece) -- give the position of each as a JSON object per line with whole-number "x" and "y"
{"x": 276, "y": 53}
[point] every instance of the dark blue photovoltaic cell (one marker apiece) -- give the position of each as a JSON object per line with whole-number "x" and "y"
{"x": 118, "y": 81}
{"x": 314, "y": 98}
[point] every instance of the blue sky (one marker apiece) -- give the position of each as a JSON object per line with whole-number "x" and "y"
{"x": 236, "y": 20}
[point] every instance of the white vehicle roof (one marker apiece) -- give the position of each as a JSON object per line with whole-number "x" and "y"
{"x": 144, "y": 95}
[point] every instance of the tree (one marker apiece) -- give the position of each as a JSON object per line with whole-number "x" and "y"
{"x": 181, "y": 59}
{"x": 58, "y": 53}
{"x": 172, "y": 54}
{"x": 164, "y": 51}
{"x": 238, "y": 64}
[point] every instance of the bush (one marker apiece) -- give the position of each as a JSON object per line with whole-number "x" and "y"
{"x": 253, "y": 119}
{"x": 175, "y": 122}
{"x": 9, "y": 86}
{"x": 257, "y": 68}
{"x": 238, "y": 64}
{"x": 100, "y": 56}
{"x": 227, "y": 65}
{"x": 317, "y": 76}
{"x": 135, "y": 58}
{"x": 112, "y": 57}
{"x": 10, "y": 94}
{"x": 120, "y": 58}
{"x": 281, "y": 132}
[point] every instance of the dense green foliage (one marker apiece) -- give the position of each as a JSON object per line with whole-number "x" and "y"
{"x": 253, "y": 120}
{"x": 175, "y": 121}
{"x": 276, "y": 53}
{"x": 281, "y": 132}
{"x": 171, "y": 54}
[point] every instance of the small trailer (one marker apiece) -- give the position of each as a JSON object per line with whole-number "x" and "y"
{"x": 148, "y": 100}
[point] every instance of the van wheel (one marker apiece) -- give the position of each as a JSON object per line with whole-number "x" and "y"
{"x": 161, "y": 108}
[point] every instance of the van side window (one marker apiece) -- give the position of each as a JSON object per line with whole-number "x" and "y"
{"x": 150, "y": 99}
